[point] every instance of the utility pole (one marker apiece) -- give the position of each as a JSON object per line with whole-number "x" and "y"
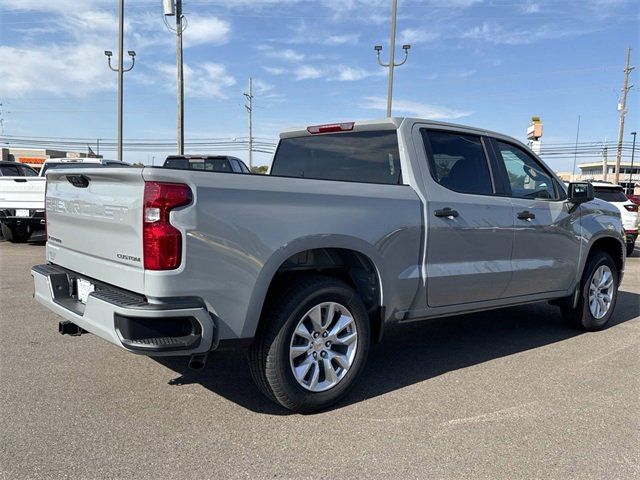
{"x": 121, "y": 70}
{"x": 392, "y": 46}
{"x": 170, "y": 9}
{"x": 633, "y": 151}
{"x": 605, "y": 160}
{"x": 249, "y": 107}
{"x": 622, "y": 107}
{"x": 575, "y": 152}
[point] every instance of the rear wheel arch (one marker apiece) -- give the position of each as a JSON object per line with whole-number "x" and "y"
{"x": 352, "y": 266}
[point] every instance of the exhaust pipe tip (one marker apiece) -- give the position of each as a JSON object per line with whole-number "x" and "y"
{"x": 197, "y": 362}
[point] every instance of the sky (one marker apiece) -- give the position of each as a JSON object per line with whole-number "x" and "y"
{"x": 490, "y": 64}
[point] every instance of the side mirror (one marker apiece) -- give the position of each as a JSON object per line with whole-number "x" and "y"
{"x": 580, "y": 192}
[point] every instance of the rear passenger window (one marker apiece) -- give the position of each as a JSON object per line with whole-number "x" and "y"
{"x": 458, "y": 161}
{"x": 527, "y": 177}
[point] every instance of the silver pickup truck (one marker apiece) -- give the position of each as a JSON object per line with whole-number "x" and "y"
{"x": 358, "y": 226}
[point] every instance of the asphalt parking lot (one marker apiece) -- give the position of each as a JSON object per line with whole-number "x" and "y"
{"x": 500, "y": 395}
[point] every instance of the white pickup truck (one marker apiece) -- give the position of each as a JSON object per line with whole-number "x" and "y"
{"x": 21, "y": 201}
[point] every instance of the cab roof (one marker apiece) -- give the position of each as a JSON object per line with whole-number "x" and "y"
{"x": 393, "y": 123}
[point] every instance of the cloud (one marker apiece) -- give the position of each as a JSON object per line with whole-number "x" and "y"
{"x": 274, "y": 70}
{"x": 417, "y": 35}
{"x": 338, "y": 73}
{"x": 58, "y": 6}
{"x": 530, "y": 8}
{"x": 348, "y": 38}
{"x": 287, "y": 54}
{"x": 349, "y": 74}
{"x": 206, "y": 30}
{"x": 303, "y": 33}
{"x": 463, "y": 74}
{"x": 496, "y": 34}
{"x": 307, "y": 72}
{"x": 416, "y": 109}
{"x": 205, "y": 80}
{"x": 40, "y": 69}
{"x": 261, "y": 87}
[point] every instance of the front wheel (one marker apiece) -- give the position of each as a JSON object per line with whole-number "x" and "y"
{"x": 598, "y": 294}
{"x": 314, "y": 345}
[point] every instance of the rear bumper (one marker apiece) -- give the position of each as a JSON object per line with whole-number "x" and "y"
{"x": 35, "y": 220}
{"x": 174, "y": 327}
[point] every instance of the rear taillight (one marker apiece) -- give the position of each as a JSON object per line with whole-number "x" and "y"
{"x": 631, "y": 208}
{"x": 162, "y": 243}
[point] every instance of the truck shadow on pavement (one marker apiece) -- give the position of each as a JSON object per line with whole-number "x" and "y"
{"x": 410, "y": 353}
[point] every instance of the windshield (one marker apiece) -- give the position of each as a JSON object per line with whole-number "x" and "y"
{"x": 610, "y": 194}
{"x": 370, "y": 157}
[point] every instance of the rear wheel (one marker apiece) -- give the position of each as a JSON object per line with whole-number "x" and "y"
{"x": 314, "y": 345}
{"x": 598, "y": 294}
{"x": 14, "y": 235}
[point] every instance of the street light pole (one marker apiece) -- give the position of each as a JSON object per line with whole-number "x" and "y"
{"x": 633, "y": 151}
{"x": 121, "y": 70}
{"x": 391, "y": 65}
{"x": 180, "y": 77}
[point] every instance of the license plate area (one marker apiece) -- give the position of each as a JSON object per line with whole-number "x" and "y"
{"x": 83, "y": 289}
{"x": 22, "y": 212}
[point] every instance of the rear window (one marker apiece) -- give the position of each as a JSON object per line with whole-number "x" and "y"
{"x": 369, "y": 157}
{"x": 204, "y": 164}
{"x": 610, "y": 194}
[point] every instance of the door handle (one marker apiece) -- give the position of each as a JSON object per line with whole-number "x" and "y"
{"x": 526, "y": 215}
{"x": 446, "y": 212}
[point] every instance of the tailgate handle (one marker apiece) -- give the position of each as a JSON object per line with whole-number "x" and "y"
{"x": 79, "y": 181}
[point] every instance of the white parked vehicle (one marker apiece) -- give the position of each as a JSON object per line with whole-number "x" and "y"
{"x": 614, "y": 194}
{"x": 21, "y": 201}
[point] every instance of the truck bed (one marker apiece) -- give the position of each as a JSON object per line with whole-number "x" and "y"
{"x": 237, "y": 232}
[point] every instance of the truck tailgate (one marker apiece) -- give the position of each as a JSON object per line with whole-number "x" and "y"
{"x": 22, "y": 192}
{"x": 94, "y": 224}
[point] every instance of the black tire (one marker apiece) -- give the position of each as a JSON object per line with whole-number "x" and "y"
{"x": 14, "y": 235}
{"x": 269, "y": 354}
{"x": 581, "y": 316}
{"x": 630, "y": 248}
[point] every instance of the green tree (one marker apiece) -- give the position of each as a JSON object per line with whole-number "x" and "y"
{"x": 261, "y": 170}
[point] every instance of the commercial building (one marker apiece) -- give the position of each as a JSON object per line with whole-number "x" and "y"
{"x": 35, "y": 157}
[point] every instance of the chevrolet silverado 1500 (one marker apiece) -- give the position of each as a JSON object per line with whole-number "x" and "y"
{"x": 358, "y": 226}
